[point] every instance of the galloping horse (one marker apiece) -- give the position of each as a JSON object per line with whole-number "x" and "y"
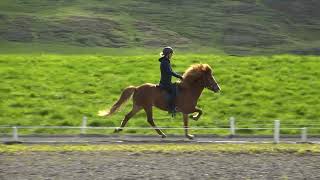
{"x": 195, "y": 79}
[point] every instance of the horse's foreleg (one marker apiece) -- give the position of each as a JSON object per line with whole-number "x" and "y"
{"x": 151, "y": 122}
{"x": 197, "y": 116}
{"x": 134, "y": 110}
{"x": 185, "y": 122}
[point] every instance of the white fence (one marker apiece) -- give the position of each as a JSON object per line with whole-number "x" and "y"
{"x": 232, "y": 129}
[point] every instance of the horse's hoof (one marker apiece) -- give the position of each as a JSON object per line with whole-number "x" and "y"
{"x": 117, "y": 130}
{"x": 195, "y": 118}
{"x": 189, "y": 136}
{"x": 163, "y": 136}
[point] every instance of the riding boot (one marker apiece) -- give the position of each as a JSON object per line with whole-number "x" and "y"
{"x": 172, "y": 109}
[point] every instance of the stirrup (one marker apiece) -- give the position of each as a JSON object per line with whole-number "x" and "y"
{"x": 173, "y": 113}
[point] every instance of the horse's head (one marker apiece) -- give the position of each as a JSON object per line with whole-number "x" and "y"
{"x": 209, "y": 81}
{"x": 203, "y": 75}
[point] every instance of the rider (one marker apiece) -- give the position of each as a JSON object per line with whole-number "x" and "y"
{"x": 166, "y": 74}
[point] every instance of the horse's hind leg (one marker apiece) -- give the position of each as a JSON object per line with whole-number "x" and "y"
{"x": 151, "y": 122}
{"x": 134, "y": 110}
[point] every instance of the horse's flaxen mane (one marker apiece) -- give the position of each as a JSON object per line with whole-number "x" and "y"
{"x": 194, "y": 72}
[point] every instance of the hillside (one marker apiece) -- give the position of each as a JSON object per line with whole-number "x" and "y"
{"x": 226, "y": 26}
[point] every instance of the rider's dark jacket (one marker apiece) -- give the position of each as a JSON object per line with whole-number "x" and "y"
{"x": 167, "y": 73}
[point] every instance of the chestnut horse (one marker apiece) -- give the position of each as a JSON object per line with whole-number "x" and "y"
{"x": 195, "y": 79}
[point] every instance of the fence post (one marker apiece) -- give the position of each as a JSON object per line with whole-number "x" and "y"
{"x": 276, "y": 131}
{"x": 304, "y": 134}
{"x": 232, "y": 126}
{"x": 84, "y": 125}
{"x": 15, "y": 133}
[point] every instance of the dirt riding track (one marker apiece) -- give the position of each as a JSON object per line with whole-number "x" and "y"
{"x": 155, "y": 165}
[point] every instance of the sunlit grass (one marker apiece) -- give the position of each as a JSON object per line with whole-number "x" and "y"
{"x": 216, "y": 148}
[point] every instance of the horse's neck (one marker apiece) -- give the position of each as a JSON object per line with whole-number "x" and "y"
{"x": 195, "y": 91}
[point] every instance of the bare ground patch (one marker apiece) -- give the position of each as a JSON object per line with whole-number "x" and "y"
{"x": 157, "y": 165}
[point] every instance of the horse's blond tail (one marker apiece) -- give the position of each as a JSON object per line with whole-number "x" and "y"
{"x": 126, "y": 94}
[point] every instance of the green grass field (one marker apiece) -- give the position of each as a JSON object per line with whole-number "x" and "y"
{"x": 59, "y": 90}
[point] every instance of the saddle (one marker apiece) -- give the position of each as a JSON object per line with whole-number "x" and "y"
{"x": 170, "y": 97}
{"x": 167, "y": 94}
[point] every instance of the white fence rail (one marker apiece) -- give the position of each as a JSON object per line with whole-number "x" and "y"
{"x": 232, "y": 129}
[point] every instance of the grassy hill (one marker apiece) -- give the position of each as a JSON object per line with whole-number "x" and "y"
{"x": 59, "y": 89}
{"x": 226, "y": 26}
